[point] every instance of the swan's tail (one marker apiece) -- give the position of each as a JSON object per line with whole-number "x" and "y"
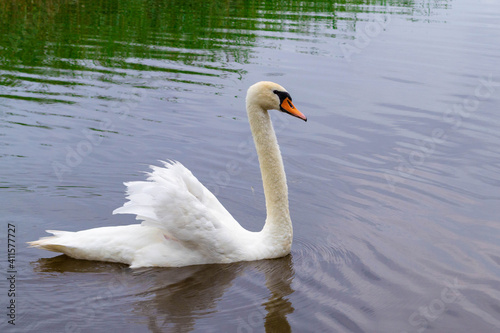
{"x": 51, "y": 243}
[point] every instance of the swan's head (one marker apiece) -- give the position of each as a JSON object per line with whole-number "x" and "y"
{"x": 272, "y": 96}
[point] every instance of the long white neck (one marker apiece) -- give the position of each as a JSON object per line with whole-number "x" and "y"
{"x": 278, "y": 227}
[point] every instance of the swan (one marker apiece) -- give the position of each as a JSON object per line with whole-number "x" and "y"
{"x": 183, "y": 223}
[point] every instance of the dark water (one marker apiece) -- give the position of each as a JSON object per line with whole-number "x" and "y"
{"x": 394, "y": 181}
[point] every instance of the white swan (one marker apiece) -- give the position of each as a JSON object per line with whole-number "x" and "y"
{"x": 182, "y": 222}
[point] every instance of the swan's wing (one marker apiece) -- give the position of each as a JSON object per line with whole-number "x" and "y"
{"x": 173, "y": 200}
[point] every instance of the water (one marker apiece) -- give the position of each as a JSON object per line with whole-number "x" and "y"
{"x": 394, "y": 180}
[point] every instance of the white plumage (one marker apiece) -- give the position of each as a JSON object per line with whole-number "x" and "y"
{"x": 182, "y": 222}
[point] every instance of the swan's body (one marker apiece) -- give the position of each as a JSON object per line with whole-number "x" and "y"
{"x": 182, "y": 222}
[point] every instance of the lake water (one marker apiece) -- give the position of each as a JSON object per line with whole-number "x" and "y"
{"x": 394, "y": 180}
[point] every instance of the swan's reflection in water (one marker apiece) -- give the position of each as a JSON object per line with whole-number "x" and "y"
{"x": 209, "y": 298}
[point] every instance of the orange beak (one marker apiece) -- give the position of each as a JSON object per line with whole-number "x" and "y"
{"x": 288, "y": 107}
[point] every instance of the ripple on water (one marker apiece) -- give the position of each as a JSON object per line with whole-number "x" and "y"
{"x": 389, "y": 219}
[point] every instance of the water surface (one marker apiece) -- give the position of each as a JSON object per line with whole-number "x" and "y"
{"x": 394, "y": 180}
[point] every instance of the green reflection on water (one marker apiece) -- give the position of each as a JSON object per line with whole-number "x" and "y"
{"x": 40, "y": 33}
{"x": 178, "y": 40}
{"x": 59, "y": 33}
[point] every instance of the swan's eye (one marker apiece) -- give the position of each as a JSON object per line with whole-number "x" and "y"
{"x": 285, "y": 100}
{"x": 287, "y": 106}
{"x": 283, "y": 95}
